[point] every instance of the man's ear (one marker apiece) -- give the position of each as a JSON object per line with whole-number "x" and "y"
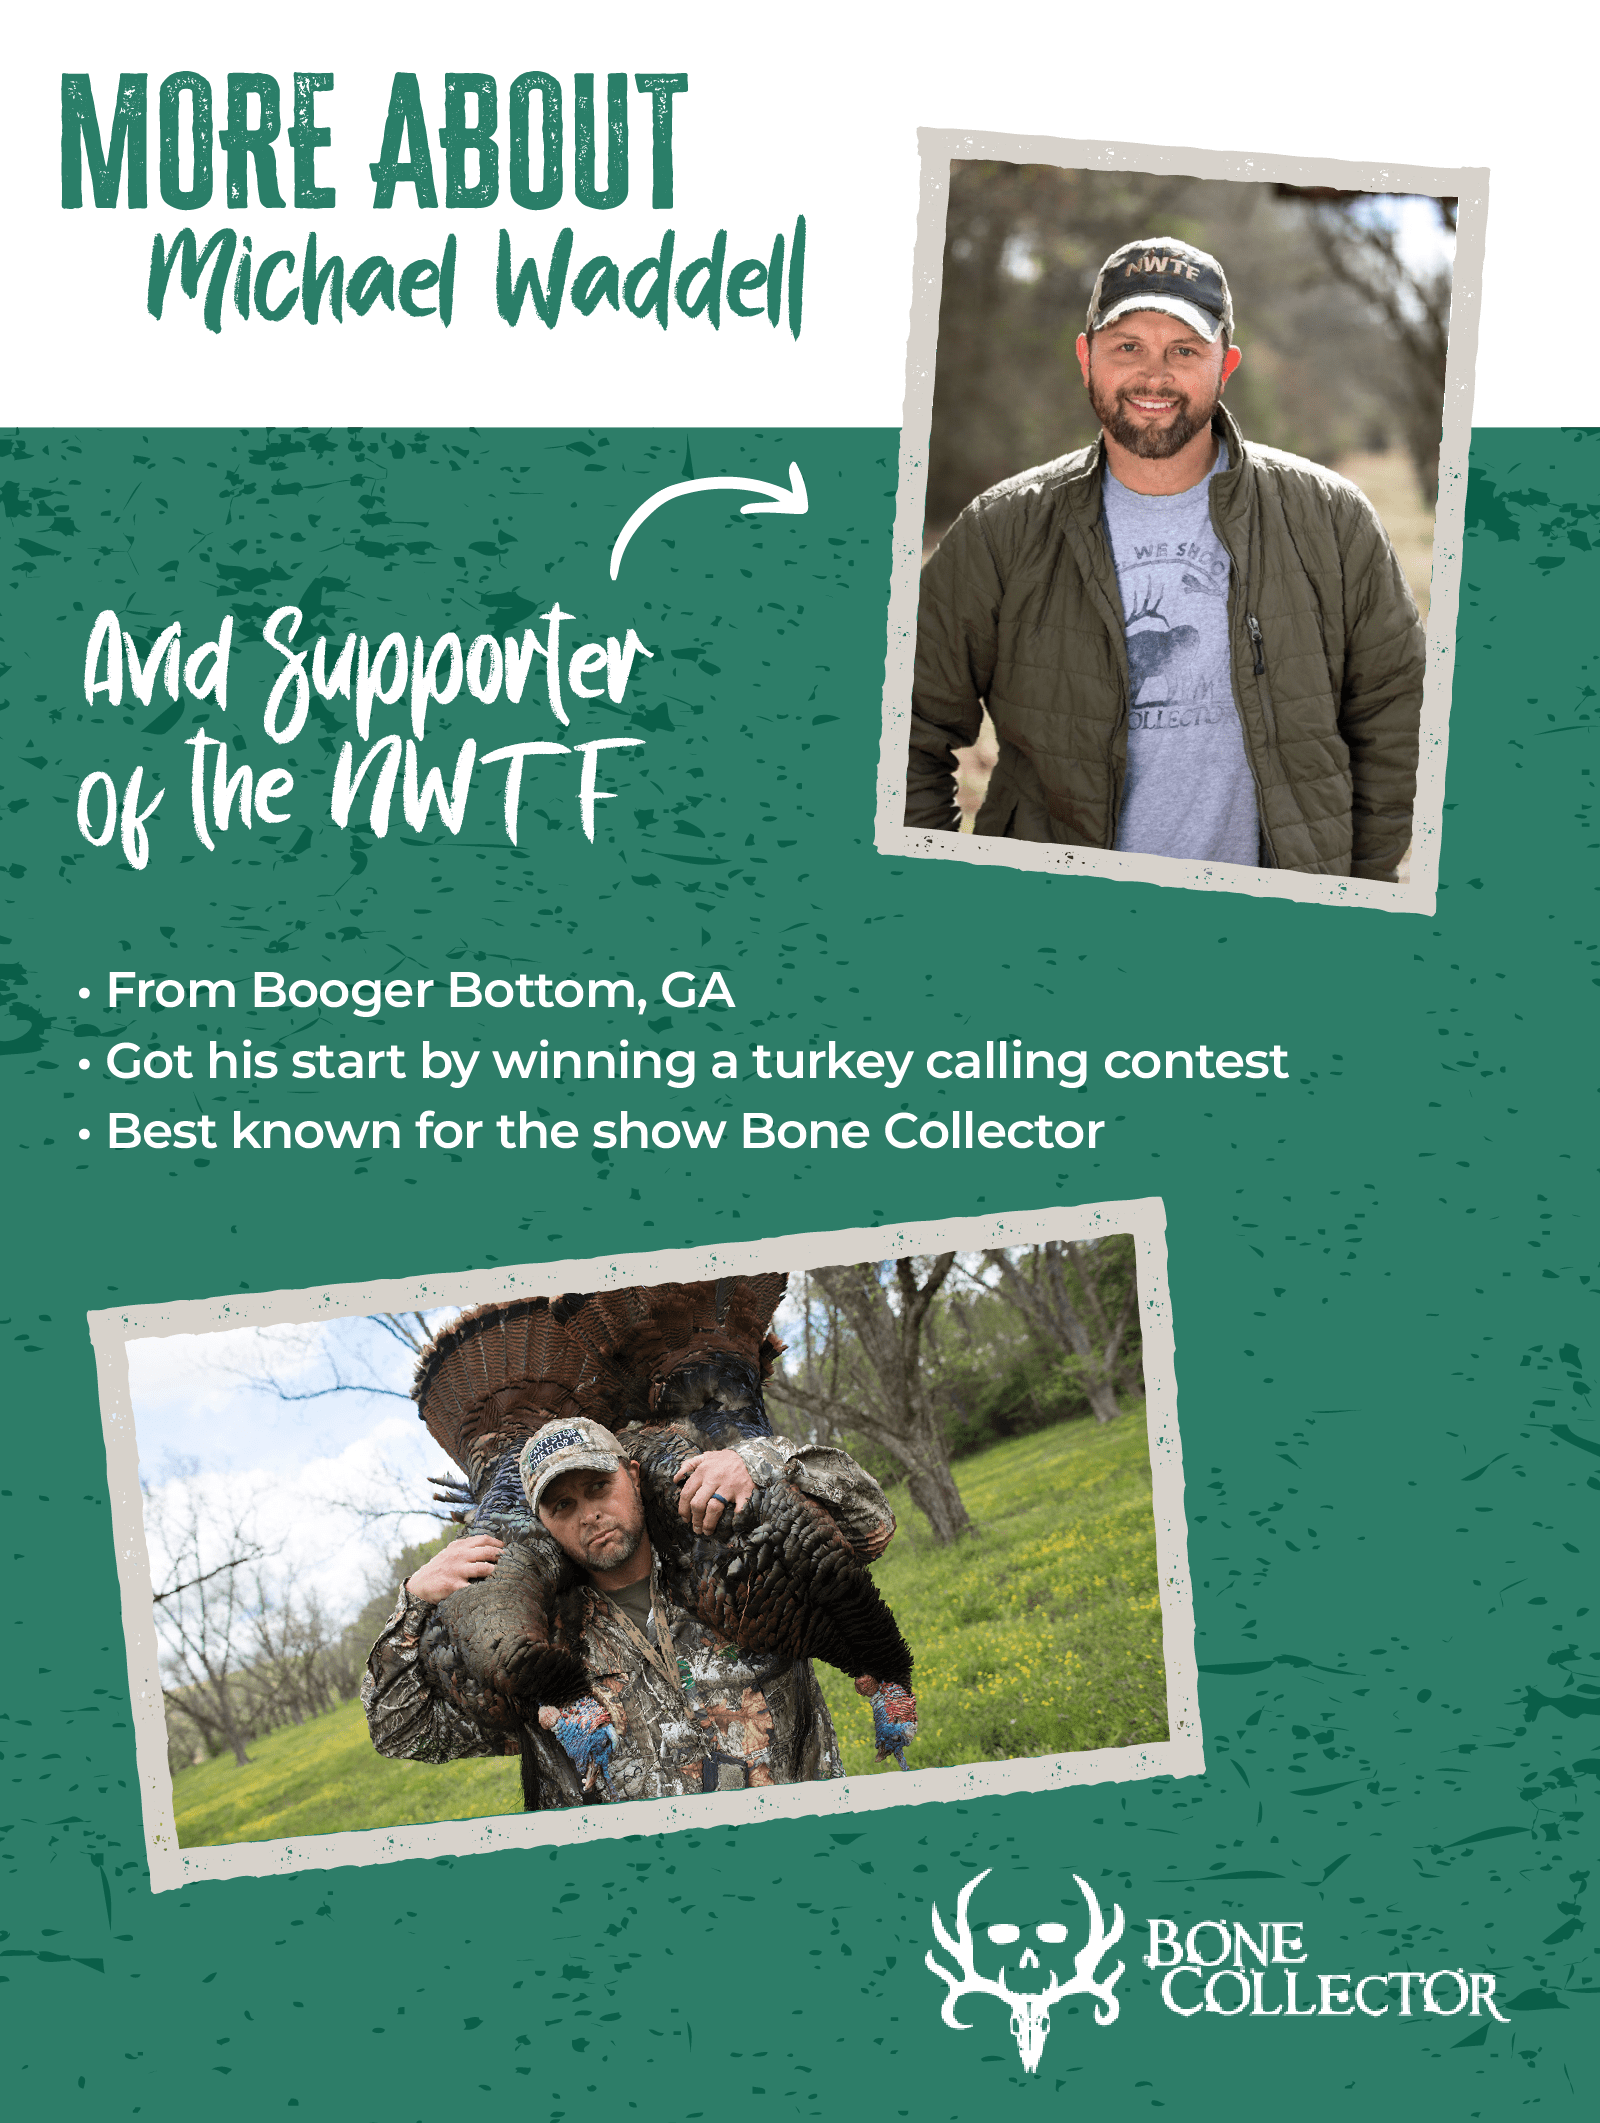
{"x": 1083, "y": 355}
{"x": 1230, "y": 361}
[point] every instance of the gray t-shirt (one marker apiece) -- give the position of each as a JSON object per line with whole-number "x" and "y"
{"x": 1189, "y": 789}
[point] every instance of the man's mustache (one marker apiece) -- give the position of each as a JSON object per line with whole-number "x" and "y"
{"x": 1180, "y": 399}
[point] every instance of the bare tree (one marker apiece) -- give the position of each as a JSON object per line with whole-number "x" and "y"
{"x": 275, "y": 1353}
{"x": 244, "y": 1652}
{"x": 810, "y": 1319}
{"x": 203, "y": 1615}
{"x": 1364, "y": 252}
{"x": 1065, "y": 1291}
{"x": 291, "y": 1647}
{"x": 865, "y": 1374}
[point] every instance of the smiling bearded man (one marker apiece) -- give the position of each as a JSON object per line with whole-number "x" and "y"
{"x": 1189, "y": 645}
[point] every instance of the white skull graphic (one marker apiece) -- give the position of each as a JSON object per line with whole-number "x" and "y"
{"x": 1030, "y": 2009}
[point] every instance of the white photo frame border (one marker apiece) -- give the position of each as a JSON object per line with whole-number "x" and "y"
{"x": 1181, "y": 1754}
{"x": 1470, "y": 188}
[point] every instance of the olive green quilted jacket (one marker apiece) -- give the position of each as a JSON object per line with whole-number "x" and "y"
{"x": 1020, "y": 610}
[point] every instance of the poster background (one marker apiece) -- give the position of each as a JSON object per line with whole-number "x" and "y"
{"x": 1382, "y": 1271}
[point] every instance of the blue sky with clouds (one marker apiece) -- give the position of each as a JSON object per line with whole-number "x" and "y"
{"x": 245, "y": 1417}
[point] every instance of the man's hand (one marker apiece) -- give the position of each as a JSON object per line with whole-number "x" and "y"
{"x": 715, "y": 1484}
{"x": 474, "y": 1556}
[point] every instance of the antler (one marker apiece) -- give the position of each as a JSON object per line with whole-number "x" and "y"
{"x": 1096, "y": 1947}
{"x": 1032, "y": 2007}
{"x": 1150, "y": 607}
{"x": 961, "y": 1947}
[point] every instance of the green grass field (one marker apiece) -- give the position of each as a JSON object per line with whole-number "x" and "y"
{"x": 318, "y": 1778}
{"x": 1041, "y": 1634}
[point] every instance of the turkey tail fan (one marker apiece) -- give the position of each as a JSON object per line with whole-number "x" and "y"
{"x": 607, "y": 1322}
{"x": 490, "y": 1379}
{"x": 641, "y": 1329}
{"x": 693, "y": 1352}
{"x": 783, "y": 1583}
{"x": 750, "y": 1303}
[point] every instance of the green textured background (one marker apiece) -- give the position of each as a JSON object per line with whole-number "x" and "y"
{"x": 1382, "y": 1275}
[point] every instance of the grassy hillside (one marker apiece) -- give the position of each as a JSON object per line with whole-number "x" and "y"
{"x": 318, "y": 1778}
{"x": 1041, "y": 1634}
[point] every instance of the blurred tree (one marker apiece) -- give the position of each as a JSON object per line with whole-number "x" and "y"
{"x": 1023, "y": 243}
{"x": 1363, "y": 250}
{"x": 1078, "y": 1298}
{"x": 988, "y": 1373}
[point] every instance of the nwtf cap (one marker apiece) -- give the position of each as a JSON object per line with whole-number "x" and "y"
{"x": 559, "y": 1448}
{"x": 1159, "y": 273}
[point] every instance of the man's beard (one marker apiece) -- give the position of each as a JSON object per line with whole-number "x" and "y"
{"x": 614, "y": 1559}
{"x": 1145, "y": 439}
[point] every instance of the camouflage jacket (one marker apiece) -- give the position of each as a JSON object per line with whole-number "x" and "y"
{"x": 692, "y": 1714}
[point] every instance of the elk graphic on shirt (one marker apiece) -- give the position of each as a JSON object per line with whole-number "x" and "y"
{"x": 1163, "y": 649}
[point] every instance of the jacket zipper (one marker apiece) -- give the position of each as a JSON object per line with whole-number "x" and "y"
{"x": 1259, "y": 671}
{"x": 1253, "y": 627}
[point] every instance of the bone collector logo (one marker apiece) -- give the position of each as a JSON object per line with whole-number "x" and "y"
{"x": 1217, "y": 1966}
{"x": 1030, "y": 1998}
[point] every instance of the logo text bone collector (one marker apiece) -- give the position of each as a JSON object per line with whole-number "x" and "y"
{"x": 1216, "y": 1966}
{"x": 1232, "y": 1968}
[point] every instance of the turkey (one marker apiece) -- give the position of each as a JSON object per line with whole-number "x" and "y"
{"x": 483, "y": 1387}
{"x": 680, "y": 1352}
{"x": 780, "y": 1581}
{"x": 784, "y": 1583}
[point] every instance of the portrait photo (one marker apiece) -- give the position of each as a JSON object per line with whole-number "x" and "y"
{"x": 1181, "y": 493}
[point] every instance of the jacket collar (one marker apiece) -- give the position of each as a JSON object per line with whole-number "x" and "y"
{"x": 1231, "y": 489}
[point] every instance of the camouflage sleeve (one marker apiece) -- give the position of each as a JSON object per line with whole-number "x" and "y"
{"x": 404, "y": 1719}
{"x": 832, "y": 1479}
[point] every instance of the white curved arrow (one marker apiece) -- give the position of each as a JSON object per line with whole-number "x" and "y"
{"x": 781, "y": 501}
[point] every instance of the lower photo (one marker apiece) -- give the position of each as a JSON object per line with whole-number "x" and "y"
{"x": 835, "y": 1523}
